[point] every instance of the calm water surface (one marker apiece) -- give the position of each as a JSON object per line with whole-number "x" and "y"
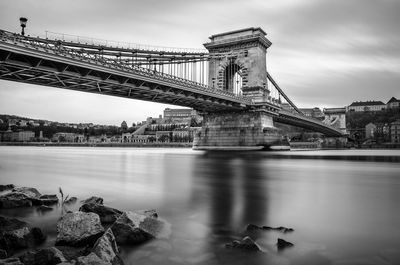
{"x": 344, "y": 208}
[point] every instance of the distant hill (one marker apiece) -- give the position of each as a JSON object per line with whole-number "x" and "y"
{"x": 357, "y": 120}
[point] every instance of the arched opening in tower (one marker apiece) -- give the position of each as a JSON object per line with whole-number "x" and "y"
{"x": 233, "y": 79}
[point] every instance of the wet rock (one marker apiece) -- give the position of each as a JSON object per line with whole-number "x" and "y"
{"x": 149, "y": 213}
{"x": 78, "y": 229}
{"x": 91, "y": 259}
{"x": 252, "y": 227}
{"x": 46, "y": 256}
{"x": 107, "y": 214}
{"x": 14, "y": 200}
{"x": 16, "y": 234}
{"x": 71, "y": 253}
{"x": 134, "y": 228}
{"x": 245, "y": 244}
{"x": 29, "y": 192}
{"x": 282, "y": 244}
{"x": 3, "y": 254}
{"x": 93, "y": 199}
{"x": 44, "y": 208}
{"x": 11, "y": 261}
{"x": 106, "y": 248}
{"x": 6, "y": 187}
{"x": 71, "y": 200}
{"x": 48, "y": 199}
{"x": 280, "y": 228}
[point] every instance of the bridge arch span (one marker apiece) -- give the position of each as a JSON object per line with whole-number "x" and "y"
{"x": 230, "y": 76}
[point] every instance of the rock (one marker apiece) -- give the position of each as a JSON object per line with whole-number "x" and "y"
{"x": 106, "y": 248}
{"x": 71, "y": 200}
{"x": 48, "y": 199}
{"x": 6, "y": 187}
{"x": 133, "y": 228}
{"x": 78, "y": 229}
{"x": 93, "y": 199}
{"x": 44, "y": 208}
{"x": 3, "y": 254}
{"x": 29, "y": 192}
{"x": 91, "y": 259}
{"x": 71, "y": 253}
{"x": 107, "y": 214}
{"x": 11, "y": 261}
{"x": 280, "y": 228}
{"x": 245, "y": 244}
{"x": 46, "y": 256}
{"x": 281, "y": 244}
{"x": 148, "y": 213}
{"x": 14, "y": 200}
{"x": 252, "y": 227}
{"x": 16, "y": 234}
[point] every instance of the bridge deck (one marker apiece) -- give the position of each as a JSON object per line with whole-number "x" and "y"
{"x": 41, "y": 62}
{"x": 24, "y": 60}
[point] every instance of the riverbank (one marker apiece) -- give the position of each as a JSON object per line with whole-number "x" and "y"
{"x": 49, "y": 144}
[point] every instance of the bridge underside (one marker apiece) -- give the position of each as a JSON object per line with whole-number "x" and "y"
{"x": 301, "y": 121}
{"x": 72, "y": 73}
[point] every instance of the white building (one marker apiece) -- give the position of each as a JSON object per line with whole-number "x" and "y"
{"x": 361, "y": 106}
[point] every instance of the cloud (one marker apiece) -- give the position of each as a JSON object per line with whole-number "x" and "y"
{"x": 323, "y": 52}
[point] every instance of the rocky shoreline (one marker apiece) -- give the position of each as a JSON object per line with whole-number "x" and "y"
{"x": 91, "y": 235}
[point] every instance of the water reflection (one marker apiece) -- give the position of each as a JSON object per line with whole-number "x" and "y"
{"x": 343, "y": 205}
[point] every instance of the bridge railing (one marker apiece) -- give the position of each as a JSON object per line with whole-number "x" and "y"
{"x": 80, "y": 54}
{"x": 122, "y": 44}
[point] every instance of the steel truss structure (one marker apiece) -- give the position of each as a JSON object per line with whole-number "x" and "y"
{"x": 133, "y": 73}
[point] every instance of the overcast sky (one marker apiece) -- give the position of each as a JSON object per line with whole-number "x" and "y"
{"x": 324, "y": 53}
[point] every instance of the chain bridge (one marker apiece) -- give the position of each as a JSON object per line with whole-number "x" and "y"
{"x": 227, "y": 82}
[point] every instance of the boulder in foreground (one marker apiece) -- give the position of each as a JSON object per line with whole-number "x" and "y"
{"x": 6, "y": 187}
{"x": 91, "y": 259}
{"x": 246, "y": 243}
{"x": 14, "y": 200}
{"x": 134, "y": 228}
{"x": 93, "y": 199}
{"x": 28, "y": 191}
{"x": 282, "y": 244}
{"x": 11, "y": 261}
{"x": 106, "y": 214}
{"x": 106, "y": 249}
{"x": 48, "y": 199}
{"x": 16, "y": 234}
{"x": 46, "y": 256}
{"x": 78, "y": 229}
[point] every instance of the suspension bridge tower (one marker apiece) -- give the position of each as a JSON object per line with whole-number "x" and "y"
{"x": 238, "y": 64}
{"x": 242, "y": 69}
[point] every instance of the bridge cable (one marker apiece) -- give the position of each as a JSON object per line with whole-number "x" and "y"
{"x": 283, "y": 93}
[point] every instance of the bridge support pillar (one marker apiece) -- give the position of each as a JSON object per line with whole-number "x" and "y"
{"x": 246, "y": 130}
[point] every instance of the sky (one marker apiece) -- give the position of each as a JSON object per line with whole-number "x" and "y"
{"x": 324, "y": 53}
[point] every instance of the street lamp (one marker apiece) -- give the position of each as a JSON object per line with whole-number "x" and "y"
{"x": 23, "y": 21}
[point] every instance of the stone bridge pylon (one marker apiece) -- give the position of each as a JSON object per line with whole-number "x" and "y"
{"x": 242, "y": 70}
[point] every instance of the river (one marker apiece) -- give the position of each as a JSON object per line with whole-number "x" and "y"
{"x": 343, "y": 205}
